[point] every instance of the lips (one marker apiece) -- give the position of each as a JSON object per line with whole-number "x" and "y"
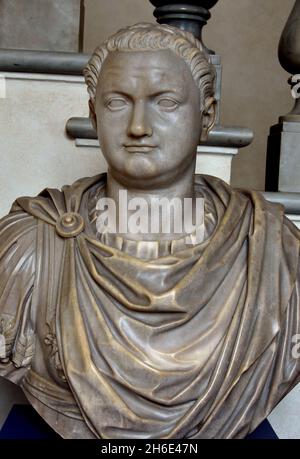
{"x": 139, "y": 148}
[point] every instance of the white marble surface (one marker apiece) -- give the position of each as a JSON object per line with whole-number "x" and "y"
{"x": 215, "y": 161}
{"x": 285, "y": 418}
{"x": 295, "y": 219}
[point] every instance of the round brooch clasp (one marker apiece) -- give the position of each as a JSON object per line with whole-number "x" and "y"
{"x": 70, "y": 225}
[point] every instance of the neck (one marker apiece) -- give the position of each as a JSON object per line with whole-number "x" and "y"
{"x": 180, "y": 187}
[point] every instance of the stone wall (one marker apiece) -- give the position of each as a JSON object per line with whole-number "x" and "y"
{"x": 48, "y": 25}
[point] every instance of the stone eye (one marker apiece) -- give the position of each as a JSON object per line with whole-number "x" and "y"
{"x": 167, "y": 103}
{"x": 116, "y": 104}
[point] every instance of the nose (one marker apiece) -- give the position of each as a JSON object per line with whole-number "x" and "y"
{"x": 139, "y": 125}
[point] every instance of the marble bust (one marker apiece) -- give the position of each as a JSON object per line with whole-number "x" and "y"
{"x": 130, "y": 335}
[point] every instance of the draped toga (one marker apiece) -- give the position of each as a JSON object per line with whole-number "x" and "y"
{"x": 108, "y": 341}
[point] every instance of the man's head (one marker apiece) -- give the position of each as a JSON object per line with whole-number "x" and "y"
{"x": 150, "y": 86}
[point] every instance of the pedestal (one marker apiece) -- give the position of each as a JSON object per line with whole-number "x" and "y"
{"x": 215, "y": 161}
{"x": 283, "y": 165}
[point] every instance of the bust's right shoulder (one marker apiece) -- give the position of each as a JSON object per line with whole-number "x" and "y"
{"x": 52, "y": 204}
{"x": 18, "y": 242}
{"x": 15, "y": 226}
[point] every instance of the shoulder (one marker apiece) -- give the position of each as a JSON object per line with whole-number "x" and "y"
{"x": 267, "y": 220}
{"x": 230, "y": 195}
{"x": 18, "y": 233}
{"x": 17, "y": 273}
{"x": 16, "y": 228}
{"x": 51, "y": 204}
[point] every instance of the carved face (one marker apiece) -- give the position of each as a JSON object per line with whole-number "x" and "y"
{"x": 148, "y": 116}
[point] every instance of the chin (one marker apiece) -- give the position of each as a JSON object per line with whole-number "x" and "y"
{"x": 142, "y": 179}
{"x": 141, "y": 167}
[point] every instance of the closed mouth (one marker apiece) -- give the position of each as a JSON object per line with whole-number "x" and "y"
{"x": 139, "y": 148}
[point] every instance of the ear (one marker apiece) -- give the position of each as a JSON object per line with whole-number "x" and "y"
{"x": 93, "y": 117}
{"x": 208, "y": 118}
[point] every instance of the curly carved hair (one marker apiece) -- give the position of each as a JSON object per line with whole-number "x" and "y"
{"x": 152, "y": 37}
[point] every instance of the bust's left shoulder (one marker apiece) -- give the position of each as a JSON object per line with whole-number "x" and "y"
{"x": 269, "y": 215}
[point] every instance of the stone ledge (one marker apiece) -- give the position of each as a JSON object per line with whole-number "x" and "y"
{"x": 291, "y": 201}
{"x": 15, "y": 60}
